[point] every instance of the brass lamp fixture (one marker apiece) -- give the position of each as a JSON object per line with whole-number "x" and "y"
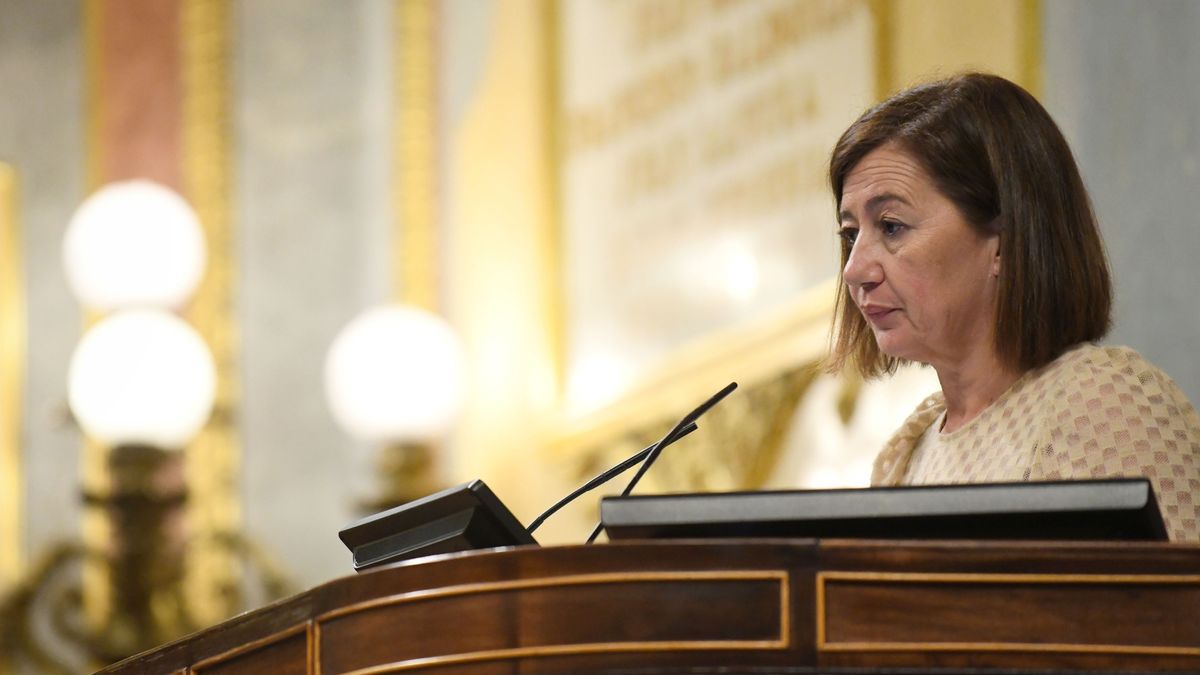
{"x": 141, "y": 385}
{"x": 394, "y": 378}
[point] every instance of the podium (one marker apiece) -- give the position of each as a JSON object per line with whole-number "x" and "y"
{"x": 741, "y": 606}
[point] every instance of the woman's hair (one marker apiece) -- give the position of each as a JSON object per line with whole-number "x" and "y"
{"x": 993, "y": 150}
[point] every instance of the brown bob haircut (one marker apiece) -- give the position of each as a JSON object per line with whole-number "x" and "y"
{"x": 994, "y": 151}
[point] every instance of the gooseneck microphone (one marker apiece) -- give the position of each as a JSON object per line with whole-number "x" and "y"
{"x": 675, "y": 432}
{"x": 604, "y": 478}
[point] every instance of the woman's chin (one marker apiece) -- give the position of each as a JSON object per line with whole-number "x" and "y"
{"x": 890, "y": 345}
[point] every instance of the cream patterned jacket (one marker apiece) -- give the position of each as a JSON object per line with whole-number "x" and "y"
{"x": 1093, "y": 412}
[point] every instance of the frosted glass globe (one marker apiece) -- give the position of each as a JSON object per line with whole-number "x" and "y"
{"x": 142, "y": 377}
{"x": 134, "y": 244}
{"x": 395, "y": 374}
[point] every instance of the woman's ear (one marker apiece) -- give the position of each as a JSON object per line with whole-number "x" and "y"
{"x": 996, "y": 256}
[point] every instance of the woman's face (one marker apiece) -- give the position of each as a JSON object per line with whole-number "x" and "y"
{"x": 922, "y": 276}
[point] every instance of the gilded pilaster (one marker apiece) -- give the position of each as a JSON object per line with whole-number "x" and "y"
{"x": 1030, "y": 52}
{"x": 212, "y": 461}
{"x": 550, "y": 242}
{"x": 94, "y": 526}
{"x": 414, "y": 196}
{"x": 12, "y": 360}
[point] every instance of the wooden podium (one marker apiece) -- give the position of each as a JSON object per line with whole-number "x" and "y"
{"x": 749, "y": 606}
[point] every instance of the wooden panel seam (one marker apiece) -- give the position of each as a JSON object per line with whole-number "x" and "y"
{"x": 998, "y": 578}
{"x": 255, "y": 645}
{"x": 315, "y": 636}
{"x": 312, "y": 666}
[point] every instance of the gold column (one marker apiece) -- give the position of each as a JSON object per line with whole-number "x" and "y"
{"x": 1029, "y": 27}
{"x": 550, "y": 239}
{"x": 94, "y": 525}
{"x": 921, "y": 40}
{"x": 212, "y": 461}
{"x": 12, "y": 370}
{"x": 157, "y": 109}
{"x": 885, "y": 75}
{"x": 414, "y": 197}
{"x": 502, "y": 165}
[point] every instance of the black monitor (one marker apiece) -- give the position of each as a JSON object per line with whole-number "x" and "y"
{"x": 462, "y": 518}
{"x": 1122, "y": 509}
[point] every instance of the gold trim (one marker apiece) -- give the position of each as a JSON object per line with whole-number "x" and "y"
{"x": 256, "y": 645}
{"x": 315, "y": 635}
{"x": 551, "y": 239}
{"x": 12, "y": 378}
{"x": 950, "y": 578}
{"x": 414, "y": 204}
{"x": 780, "y": 576}
{"x": 571, "y": 580}
{"x": 95, "y": 528}
{"x": 1001, "y": 578}
{"x": 1007, "y": 647}
{"x": 212, "y": 460}
{"x": 1029, "y": 28}
{"x": 93, "y": 69}
{"x": 564, "y": 650}
{"x": 313, "y": 666}
{"x": 885, "y": 35}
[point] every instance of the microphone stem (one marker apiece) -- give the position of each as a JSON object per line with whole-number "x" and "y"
{"x": 605, "y": 477}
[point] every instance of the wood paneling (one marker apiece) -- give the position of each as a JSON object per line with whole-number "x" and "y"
{"x": 288, "y": 653}
{"x": 799, "y": 606}
{"x": 1005, "y": 612}
{"x": 534, "y": 618}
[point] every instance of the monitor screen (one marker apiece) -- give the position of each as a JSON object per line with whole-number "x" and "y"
{"x": 462, "y": 518}
{"x": 1123, "y": 509}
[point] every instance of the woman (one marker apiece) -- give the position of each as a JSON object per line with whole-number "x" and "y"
{"x": 969, "y": 244}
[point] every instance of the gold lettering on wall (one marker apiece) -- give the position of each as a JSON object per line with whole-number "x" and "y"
{"x": 696, "y": 139}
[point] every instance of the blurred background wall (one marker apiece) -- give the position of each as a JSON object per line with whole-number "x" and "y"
{"x": 617, "y": 206}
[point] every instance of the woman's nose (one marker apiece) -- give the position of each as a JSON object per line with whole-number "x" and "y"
{"x": 862, "y": 267}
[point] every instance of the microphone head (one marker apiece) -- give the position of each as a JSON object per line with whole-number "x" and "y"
{"x": 707, "y": 405}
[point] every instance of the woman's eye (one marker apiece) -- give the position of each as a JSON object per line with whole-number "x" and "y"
{"x": 848, "y": 235}
{"x": 890, "y": 227}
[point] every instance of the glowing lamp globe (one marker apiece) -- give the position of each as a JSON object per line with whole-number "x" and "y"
{"x": 133, "y": 244}
{"x": 142, "y": 377}
{"x": 396, "y": 374}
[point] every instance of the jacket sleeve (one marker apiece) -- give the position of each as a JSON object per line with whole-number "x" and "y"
{"x": 1126, "y": 418}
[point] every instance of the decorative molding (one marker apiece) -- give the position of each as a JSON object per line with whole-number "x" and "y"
{"x": 306, "y": 628}
{"x": 782, "y": 642}
{"x": 12, "y": 378}
{"x": 994, "y": 580}
{"x": 599, "y": 578}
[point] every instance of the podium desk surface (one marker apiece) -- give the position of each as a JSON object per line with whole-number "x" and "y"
{"x": 749, "y": 606}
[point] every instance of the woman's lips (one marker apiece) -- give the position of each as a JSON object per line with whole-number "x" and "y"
{"x": 876, "y": 313}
